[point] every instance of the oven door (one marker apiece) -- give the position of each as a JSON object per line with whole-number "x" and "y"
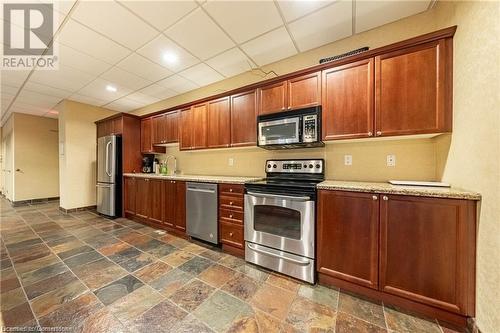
{"x": 282, "y": 222}
{"x": 280, "y": 131}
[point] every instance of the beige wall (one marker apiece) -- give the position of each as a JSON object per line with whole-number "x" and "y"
{"x": 77, "y": 155}
{"x": 469, "y": 158}
{"x": 8, "y": 158}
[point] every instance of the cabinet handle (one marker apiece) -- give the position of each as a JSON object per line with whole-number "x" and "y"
{"x": 379, "y": 133}
{"x": 230, "y": 234}
{"x": 370, "y": 134}
{"x": 289, "y": 107}
{"x": 385, "y": 198}
{"x": 230, "y": 203}
{"x": 230, "y": 216}
{"x": 230, "y": 190}
{"x": 374, "y": 197}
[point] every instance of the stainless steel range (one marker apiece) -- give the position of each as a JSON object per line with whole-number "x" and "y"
{"x": 280, "y": 217}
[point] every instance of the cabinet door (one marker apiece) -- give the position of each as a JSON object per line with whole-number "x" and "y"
{"x": 169, "y": 202}
{"x": 413, "y": 90}
{"x": 186, "y": 129}
{"x": 142, "y": 198}
{"x": 146, "y": 142}
{"x": 244, "y": 119}
{"x": 427, "y": 248}
{"x": 348, "y": 231}
{"x": 129, "y": 195}
{"x": 348, "y": 101}
{"x": 117, "y": 125}
{"x": 219, "y": 123}
{"x": 180, "y": 206}
{"x": 172, "y": 127}
{"x": 273, "y": 98}
{"x": 158, "y": 129}
{"x": 155, "y": 195}
{"x": 104, "y": 128}
{"x": 304, "y": 91}
{"x": 200, "y": 121}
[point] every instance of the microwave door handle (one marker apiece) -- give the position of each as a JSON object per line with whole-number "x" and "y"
{"x": 298, "y": 262}
{"x": 279, "y": 196}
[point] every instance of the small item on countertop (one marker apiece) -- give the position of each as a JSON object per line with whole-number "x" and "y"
{"x": 156, "y": 166}
{"x": 418, "y": 183}
{"x": 163, "y": 168}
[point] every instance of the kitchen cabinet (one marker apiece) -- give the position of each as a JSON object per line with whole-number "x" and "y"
{"x": 156, "y": 200}
{"x": 165, "y": 128}
{"x": 219, "y": 123}
{"x": 299, "y": 92}
{"x": 199, "y": 125}
{"x": 109, "y": 126}
{"x": 147, "y": 146}
{"x": 129, "y": 195}
{"x": 186, "y": 131}
{"x": 244, "y": 119}
{"x": 348, "y": 235}
{"x": 180, "y": 206}
{"x": 169, "y": 201}
{"x": 348, "y": 97}
{"x": 427, "y": 251}
{"x": 231, "y": 221}
{"x": 159, "y": 130}
{"x": 142, "y": 198}
{"x": 413, "y": 88}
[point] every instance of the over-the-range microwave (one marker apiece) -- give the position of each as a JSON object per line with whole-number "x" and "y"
{"x": 290, "y": 129}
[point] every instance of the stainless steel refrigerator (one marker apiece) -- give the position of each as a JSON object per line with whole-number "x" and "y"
{"x": 109, "y": 175}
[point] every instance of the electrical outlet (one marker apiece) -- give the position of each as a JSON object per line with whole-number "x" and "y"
{"x": 230, "y": 161}
{"x": 347, "y": 159}
{"x": 391, "y": 160}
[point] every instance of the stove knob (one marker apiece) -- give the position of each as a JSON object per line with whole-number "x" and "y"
{"x": 317, "y": 166}
{"x": 310, "y": 166}
{"x": 305, "y": 166}
{"x": 269, "y": 166}
{"x": 275, "y": 166}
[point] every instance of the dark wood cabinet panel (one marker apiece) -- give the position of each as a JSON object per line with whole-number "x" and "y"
{"x": 413, "y": 90}
{"x": 231, "y": 218}
{"x": 142, "y": 199}
{"x": 129, "y": 195}
{"x": 146, "y": 139}
{"x": 172, "y": 127}
{"x": 219, "y": 123}
{"x": 244, "y": 119}
{"x": 199, "y": 125}
{"x": 186, "y": 136}
{"x": 304, "y": 91}
{"x": 180, "y": 204}
{"x": 231, "y": 234}
{"x": 348, "y": 101}
{"x": 348, "y": 234}
{"x": 131, "y": 145}
{"x": 169, "y": 202}
{"x": 273, "y": 98}
{"x": 427, "y": 248}
{"x": 156, "y": 199}
{"x": 159, "y": 130}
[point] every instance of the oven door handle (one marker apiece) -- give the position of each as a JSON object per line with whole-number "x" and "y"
{"x": 279, "y": 196}
{"x": 298, "y": 262}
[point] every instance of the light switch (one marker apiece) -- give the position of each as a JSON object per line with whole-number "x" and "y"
{"x": 391, "y": 160}
{"x": 230, "y": 161}
{"x": 347, "y": 159}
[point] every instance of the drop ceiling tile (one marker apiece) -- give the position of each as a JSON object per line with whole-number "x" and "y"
{"x": 204, "y": 45}
{"x": 26, "y": 108}
{"x": 157, "y": 91}
{"x": 124, "y": 105}
{"x": 161, "y": 14}
{"x": 97, "y": 89}
{"x": 324, "y": 26}
{"x": 230, "y": 63}
{"x": 371, "y": 14}
{"x": 46, "y": 90}
{"x": 142, "y": 98}
{"x": 8, "y": 90}
{"x": 115, "y": 22}
{"x": 177, "y": 84}
{"x": 273, "y": 46}
{"x": 87, "y": 100}
{"x": 123, "y": 78}
{"x": 64, "y": 6}
{"x": 201, "y": 74}
{"x": 161, "y": 45}
{"x": 143, "y": 67}
{"x": 81, "y": 61}
{"x": 65, "y": 78}
{"x": 87, "y": 41}
{"x": 294, "y": 9}
{"x": 244, "y": 20}
{"x": 36, "y": 99}
{"x": 14, "y": 78}
{"x": 51, "y": 114}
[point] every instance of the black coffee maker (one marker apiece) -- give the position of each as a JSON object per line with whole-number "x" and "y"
{"x": 147, "y": 163}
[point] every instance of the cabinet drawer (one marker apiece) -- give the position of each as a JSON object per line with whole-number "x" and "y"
{"x": 232, "y": 203}
{"x": 233, "y": 216}
{"x": 231, "y": 189}
{"x": 231, "y": 234}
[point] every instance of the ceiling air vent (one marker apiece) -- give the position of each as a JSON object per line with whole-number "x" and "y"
{"x": 344, "y": 55}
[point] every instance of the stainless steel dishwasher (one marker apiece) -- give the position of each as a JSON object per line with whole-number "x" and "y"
{"x": 201, "y": 211}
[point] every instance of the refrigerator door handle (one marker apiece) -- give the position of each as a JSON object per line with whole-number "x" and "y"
{"x": 107, "y": 158}
{"x": 104, "y": 185}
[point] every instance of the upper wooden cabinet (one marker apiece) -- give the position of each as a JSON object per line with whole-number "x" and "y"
{"x": 199, "y": 125}
{"x": 413, "y": 88}
{"x": 296, "y": 93}
{"x": 158, "y": 129}
{"x": 146, "y": 135}
{"x": 347, "y": 108}
{"x": 244, "y": 119}
{"x": 186, "y": 132}
{"x": 166, "y": 128}
{"x": 113, "y": 126}
{"x": 219, "y": 123}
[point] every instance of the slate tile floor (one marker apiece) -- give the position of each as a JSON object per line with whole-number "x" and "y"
{"x": 85, "y": 273}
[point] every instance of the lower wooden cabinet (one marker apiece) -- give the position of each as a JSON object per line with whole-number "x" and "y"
{"x": 406, "y": 250}
{"x": 129, "y": 195}
{"x": 231, "y": 218}
{"x": 142, "y": 198}
{"x": 156, "y": 200}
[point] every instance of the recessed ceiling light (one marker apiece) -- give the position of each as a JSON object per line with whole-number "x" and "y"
{"x": 111, "y": 88}
{"x": 53, "y": 112}
{"x": 170, "y": 57}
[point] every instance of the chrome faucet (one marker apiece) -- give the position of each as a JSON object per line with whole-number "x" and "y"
{"x": 175, "y": 163}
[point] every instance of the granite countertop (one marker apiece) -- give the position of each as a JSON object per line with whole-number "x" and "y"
{"x": 197, "y": 178}
{"x": 386, "y": 188}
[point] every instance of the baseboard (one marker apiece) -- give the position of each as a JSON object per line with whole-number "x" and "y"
{"x": 30, "y": 202}
{"x": 79, "y": 209}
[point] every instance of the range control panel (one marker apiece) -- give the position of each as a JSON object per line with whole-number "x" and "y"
{"x": 294, "y": 166}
